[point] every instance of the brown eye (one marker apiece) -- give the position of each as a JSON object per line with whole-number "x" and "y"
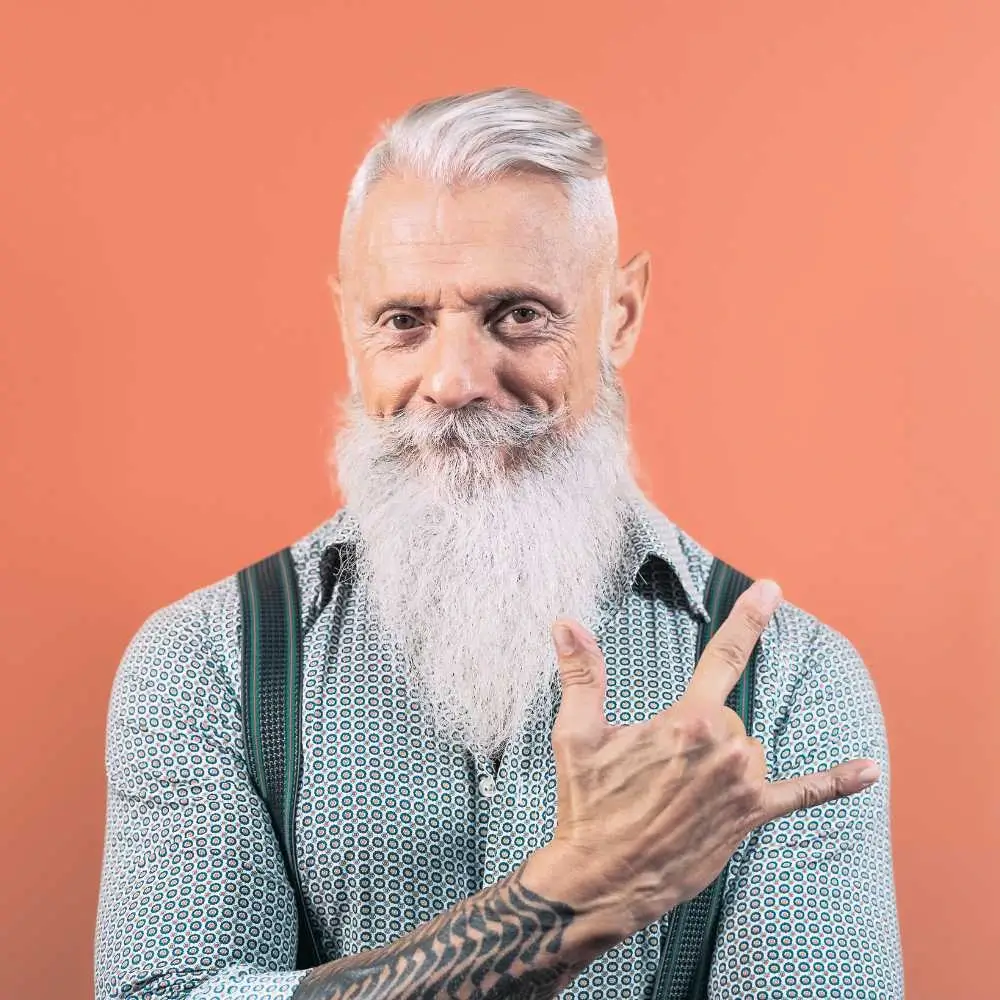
{"x": 523, "y": 314}
{"x": 522, "y": 321}
{"x": 402, "y": 322}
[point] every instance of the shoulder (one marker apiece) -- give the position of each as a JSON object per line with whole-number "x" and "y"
{"x": 802, "y": 659}
{"x": 192, "y": 644}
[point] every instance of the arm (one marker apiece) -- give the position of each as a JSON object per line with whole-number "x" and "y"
{"x": 508, "y": 942}
{"x": 810, "y": 901}
{"x": 194, "y": 902}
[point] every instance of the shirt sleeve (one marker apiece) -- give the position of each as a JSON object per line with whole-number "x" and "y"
{"x": 810, "y": 904}
{"x": 194, "y": 901}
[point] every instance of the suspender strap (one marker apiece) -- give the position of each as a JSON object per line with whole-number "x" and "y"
{"x": 272, "y": 682}
{"x": 686, "y": 951}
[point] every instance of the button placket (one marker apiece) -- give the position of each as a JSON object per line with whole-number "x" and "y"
{"x": 488, "y": 808}
{"x": 487, "y": 786}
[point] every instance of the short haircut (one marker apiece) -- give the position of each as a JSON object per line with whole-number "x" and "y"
{"x": 472, "y": 139}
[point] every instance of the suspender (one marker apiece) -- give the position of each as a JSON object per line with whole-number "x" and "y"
{"x": 272, "y": 708}
{"x": 686, "y": 951}
{"x": 272, "y": 693}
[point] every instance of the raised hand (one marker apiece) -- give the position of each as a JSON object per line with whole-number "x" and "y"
{"x": 649, "y": 814}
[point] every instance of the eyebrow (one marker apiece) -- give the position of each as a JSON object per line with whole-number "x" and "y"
{"x": 491, "y": 298}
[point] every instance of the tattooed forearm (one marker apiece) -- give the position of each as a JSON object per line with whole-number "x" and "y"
{"x": 504, "y": 943}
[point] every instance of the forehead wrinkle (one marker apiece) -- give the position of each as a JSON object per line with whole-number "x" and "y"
{"x": 492, "y": 267}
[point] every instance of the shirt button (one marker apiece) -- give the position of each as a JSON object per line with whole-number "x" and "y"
{"x": 487, "y": 787}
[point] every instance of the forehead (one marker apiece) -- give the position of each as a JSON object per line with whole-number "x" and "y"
{"x": 512, "y": 231}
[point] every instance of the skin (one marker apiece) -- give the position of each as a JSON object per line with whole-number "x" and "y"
{"x": 424, "y": 312}
{"x": 648, "y": 814}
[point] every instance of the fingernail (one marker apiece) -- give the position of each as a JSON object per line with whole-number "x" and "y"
{"x": 869, "y": 775}
{"x": 565, "y": 640}
{"x": 768, "y": 594}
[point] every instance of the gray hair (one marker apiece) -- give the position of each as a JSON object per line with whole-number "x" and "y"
{"x": 471, "y": 139}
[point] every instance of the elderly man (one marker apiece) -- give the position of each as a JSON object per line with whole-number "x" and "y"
{"x": 514, "y": 768}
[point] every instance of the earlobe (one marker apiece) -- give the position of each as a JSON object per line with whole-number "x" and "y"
{"x": 621, "y": 350}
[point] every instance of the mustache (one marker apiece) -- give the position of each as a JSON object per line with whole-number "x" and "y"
{"x": 476, "y": 425}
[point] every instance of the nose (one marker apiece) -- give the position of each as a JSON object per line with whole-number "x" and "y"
{"x": 460, "y": 368}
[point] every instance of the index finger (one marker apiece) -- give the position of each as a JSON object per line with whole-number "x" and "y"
{"x": 726, "y": 655}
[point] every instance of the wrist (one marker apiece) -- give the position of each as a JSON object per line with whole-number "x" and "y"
{"x": 561, "y": 873}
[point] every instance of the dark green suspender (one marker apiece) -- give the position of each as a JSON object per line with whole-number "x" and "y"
{"x": 686, "y": 952}
{"x": 272, "y": 706}
{"x": 272, "y": 691}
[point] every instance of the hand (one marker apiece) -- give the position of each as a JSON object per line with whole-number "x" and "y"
{"x": 649, "y": 814}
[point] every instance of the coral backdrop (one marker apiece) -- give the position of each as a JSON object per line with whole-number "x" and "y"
{"x": 814, "y": 396}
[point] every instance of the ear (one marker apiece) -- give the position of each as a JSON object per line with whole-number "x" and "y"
{"x": 629, "y": 296}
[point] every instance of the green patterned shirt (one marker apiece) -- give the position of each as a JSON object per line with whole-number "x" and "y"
{"x": 393, "y": 826}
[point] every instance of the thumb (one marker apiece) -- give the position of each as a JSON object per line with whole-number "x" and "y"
{"x": 582, "y": 676}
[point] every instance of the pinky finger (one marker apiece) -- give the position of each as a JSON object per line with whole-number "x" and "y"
{"x": 792, "y": 794}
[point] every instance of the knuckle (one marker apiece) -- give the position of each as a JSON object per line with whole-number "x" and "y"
{"x": 839, "y": 787}
{"x": 578, "y": 670}
{"x": 731, "y": 654}
{"x": 564, "y": 742}
{"x": 692, "y": 728}
{"x": 734, "y": 758}
{"x": 812, "y": 794}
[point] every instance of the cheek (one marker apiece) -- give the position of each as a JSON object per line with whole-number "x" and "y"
{"x": 384, "y": 384}
{"x": 568, "y": 375}
{"x": 549, "y": 375}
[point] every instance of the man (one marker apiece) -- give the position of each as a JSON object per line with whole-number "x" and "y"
{"x": 513, "y": 771}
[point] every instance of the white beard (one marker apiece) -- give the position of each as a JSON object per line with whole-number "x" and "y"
{"x": 479, "y": 528}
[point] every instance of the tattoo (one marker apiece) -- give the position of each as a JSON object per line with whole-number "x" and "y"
{"x": 501, "y": 944}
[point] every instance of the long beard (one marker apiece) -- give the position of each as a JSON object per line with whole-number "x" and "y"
{"x": 479, "y": 528}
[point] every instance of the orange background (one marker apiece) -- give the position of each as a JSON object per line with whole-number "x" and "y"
{"x": 814, "y": 396}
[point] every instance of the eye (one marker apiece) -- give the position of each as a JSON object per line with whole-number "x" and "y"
{"x": 522, "y": 319}
{"x": 523, "y": 314}
{"x": 402, "y": 322}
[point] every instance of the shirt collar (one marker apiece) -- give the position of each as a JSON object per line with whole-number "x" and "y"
{"x": 650, "y": 534}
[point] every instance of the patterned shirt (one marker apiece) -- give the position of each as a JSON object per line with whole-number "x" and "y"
{"x": 395, "y": 826}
